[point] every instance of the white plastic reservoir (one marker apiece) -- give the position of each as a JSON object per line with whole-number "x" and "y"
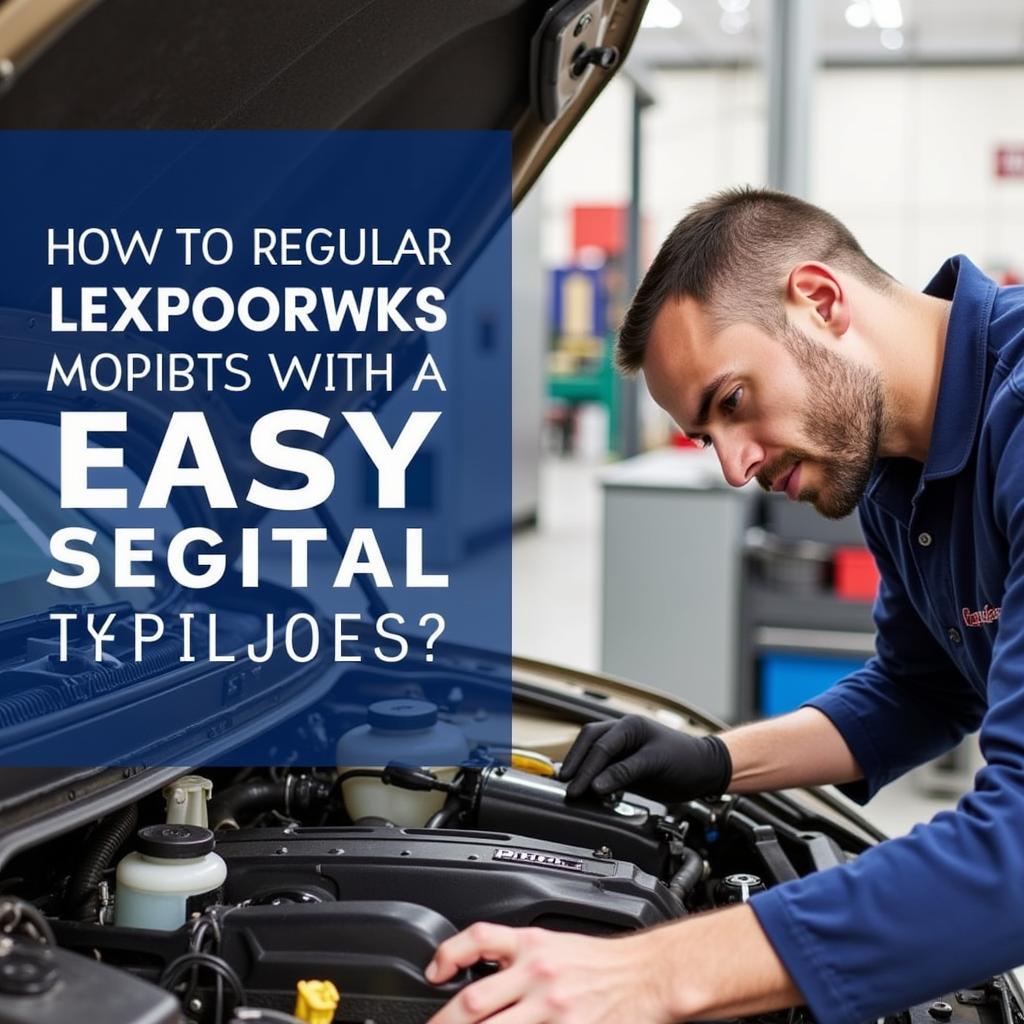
{"x": 171, "y": 864}
{"x": 406, "y": 731}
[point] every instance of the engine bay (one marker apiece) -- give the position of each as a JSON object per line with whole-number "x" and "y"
{"x": 307, "y": 891}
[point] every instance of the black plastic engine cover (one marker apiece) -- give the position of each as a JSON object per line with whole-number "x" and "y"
{"x": 464, "y": 876}
{"x": 79, "y": 986}
{"x": 375, "y": 954}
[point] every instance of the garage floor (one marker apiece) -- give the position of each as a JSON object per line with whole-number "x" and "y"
{"x": 557, "y": 600}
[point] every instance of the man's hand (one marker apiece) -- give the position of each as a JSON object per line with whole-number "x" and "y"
{"x": 708, "y": 967}
{"x": 553, "y": 978}
{"x": 641, "y": 755}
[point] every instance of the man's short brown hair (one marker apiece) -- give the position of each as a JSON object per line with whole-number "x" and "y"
{"x": 732, "y": 253}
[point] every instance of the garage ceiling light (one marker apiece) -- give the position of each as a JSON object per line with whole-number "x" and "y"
{"x": 892, "y": 38}
{"x": 858, "y": 14}
{"x": 734, "y": 22}
{"x": 662, "y": 14}
{"x": 887, "y": 13}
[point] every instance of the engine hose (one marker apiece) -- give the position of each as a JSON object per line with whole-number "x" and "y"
{"x": 689, "y": 874}
{"x": 109, "y": 836}
{"x": 292, "y": 795}
{"x": 176, "y": 968}
{"x": 443, "y": 817}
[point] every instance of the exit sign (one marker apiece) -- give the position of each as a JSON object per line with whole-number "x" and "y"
{"x": 1010, "y": 161}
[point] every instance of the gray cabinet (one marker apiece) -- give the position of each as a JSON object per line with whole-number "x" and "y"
{"x": 671, "y": 580}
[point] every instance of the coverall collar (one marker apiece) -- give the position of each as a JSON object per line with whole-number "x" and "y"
{"x": 897, "y": 482}
{"x": 962, "y": 386}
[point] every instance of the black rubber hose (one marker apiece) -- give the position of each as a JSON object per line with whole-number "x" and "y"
{"x": 108, "y": 837}
{"x": 245, "y": 800}
{"x": 292, "y": 795}
{"x": 682, "y": 883}
{"x": 176, "y": 968}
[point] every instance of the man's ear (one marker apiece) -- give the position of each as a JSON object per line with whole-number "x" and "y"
{"x": 814, "y": 287}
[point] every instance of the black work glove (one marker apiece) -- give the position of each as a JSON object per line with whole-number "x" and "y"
{"x": 645, "y": 757}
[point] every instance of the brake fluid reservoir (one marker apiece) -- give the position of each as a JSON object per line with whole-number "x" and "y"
{"x": 171, "y": 865}
{"x": 406, "y": 731}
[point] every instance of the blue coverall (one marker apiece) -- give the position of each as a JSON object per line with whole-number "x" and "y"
{"x": 942, "y": 907}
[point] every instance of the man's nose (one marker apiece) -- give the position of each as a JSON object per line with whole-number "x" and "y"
{"x": 741, "y": 459}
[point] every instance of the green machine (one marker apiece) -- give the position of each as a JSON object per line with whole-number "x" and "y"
{"x": 580, "y": 367}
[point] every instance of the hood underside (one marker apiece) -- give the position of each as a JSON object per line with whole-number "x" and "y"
{"x": 312, "y": 64}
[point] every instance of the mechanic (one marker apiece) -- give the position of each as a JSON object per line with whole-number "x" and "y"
{"x": 765, "y": 331}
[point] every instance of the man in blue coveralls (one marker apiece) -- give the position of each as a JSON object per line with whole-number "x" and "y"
{"x": 764, "y": 330}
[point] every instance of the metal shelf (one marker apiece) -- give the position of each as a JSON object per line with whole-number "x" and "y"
{"x": 768, "y": 606}
{"x": 817, "y": 641}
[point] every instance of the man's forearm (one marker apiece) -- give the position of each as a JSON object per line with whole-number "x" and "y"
{"x": 697, "y": 966}
{"x": 803, "y": 748}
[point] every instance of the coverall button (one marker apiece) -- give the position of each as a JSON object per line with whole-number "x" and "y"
{"x": 954, "y": 636}
{"x": 924, "y": 539}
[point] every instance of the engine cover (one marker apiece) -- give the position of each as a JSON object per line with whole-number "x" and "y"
{"x": 465, "y": 876}
{"x": 631, "y": 827}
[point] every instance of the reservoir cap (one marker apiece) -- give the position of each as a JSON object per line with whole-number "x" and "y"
{"x": 402, "y": 714}
{"x": 174, "y": 842}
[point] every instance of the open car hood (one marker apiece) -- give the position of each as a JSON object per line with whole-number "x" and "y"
{"x": 263, "y": 65}
{"x": 317, "y": 65}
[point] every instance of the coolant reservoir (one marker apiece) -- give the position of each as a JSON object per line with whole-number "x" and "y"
{"x": 406, "y": 731}
{"x": 171, "y": 865}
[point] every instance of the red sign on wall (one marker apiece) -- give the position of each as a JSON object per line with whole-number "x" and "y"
{"x": 1010, "y": 161}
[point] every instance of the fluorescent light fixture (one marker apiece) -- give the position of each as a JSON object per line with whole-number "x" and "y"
{"x": 892, "y": 38}
{"x": 662, "y": 14}
{"x": 733, "y": 6}
{"x": 734, "y": 22}
{"x": 858, "y": 14}
{"x": 887, "y": 13}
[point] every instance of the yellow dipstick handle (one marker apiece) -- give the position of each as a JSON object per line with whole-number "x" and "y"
{"x": 316, "y": 1001}
{"x": 532, "y": 762}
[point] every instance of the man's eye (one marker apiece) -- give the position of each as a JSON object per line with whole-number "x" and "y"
{"x": 732, "y": 400}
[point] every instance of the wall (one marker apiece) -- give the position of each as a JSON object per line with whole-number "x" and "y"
{"x": 706, "y": 132}
{"x": 592, "y": 167}
{"x": 905, "y": 156}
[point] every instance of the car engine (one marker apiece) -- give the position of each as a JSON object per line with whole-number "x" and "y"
{"x": 308, "y": 892}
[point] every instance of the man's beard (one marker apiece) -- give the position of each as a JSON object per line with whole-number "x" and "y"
{"x": 842, "y": 424}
